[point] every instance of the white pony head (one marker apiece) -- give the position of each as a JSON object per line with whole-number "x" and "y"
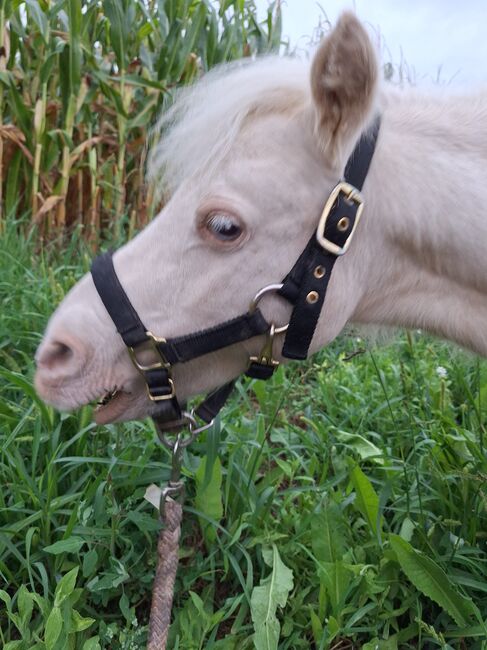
{"x": 248, "y": 156}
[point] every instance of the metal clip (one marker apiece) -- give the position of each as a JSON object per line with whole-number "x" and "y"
{"x": 175, "y": 486}
{"x": 266, "y": 356}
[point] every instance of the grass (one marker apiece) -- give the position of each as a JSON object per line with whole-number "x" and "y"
{"x": 342, "y": 505}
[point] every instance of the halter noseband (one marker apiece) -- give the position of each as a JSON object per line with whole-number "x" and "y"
{"x": 304, "y": 287}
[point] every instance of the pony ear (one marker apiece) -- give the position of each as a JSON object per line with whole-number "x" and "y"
{"x": 344, "y": 76}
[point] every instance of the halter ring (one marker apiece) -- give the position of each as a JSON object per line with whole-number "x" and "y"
{"x": 270, "y": 288}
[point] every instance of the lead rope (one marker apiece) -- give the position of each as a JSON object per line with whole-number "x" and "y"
{"x": 170, "y": 513}
{"x": 167, "y": 565}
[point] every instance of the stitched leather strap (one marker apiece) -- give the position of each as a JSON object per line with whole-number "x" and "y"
{"x": 306, "y": 284}
{"x": 168, "y": 413}
{"x": 358, "y": 164}
{"x": 178, "y": 349}
{"x": 241, "y": 328}
{"x": 116, "y": 301}
{"x": 214, "y": 402}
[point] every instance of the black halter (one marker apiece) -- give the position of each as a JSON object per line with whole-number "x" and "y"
{"x": 304, "y": 287}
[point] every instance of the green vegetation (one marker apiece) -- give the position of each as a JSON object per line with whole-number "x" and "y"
{"x": 81, "y": 82}
{"x": 343, "y": 505}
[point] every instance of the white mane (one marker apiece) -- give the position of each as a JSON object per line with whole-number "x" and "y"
{"x": 204, "y": 120}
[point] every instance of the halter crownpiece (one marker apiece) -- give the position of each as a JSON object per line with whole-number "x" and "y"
{"x": 304, "y": 287}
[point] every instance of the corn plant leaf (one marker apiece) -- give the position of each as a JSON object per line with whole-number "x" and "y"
{"x": 197, "y": 24}
{"x": 39, "y": 18}
{"x": 75, "y": 19}
{"x": 47, "y": 206}
{"x": 119, "y": 29}
{"x": 432, "y": 581}
{"x": 272, "y": 593}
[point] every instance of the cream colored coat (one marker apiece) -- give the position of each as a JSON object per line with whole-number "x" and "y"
{"x": 266, "y": 142}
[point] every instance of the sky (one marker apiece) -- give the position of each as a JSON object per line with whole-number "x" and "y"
{"x": 435, "y": 39}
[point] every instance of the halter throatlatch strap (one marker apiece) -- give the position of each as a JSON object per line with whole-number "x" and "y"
{"x": 306, "y": 284}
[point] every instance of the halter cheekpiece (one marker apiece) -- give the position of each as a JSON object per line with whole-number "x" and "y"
{"x": 304, "y": 287}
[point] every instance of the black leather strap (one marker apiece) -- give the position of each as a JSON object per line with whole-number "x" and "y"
{"x": 358, "y": 164}
{"x": 178, "y": 349}
{"x": 169, "y": 412}
{"x": 258, "y": 370}
{"x": 306, "y": 284}
{"x": 214, "y": 402}
{"x": 117, "y": 304}
{"x": 241, "y": 328}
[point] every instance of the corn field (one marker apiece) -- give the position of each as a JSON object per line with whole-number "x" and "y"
{"x": 82, "y": 81}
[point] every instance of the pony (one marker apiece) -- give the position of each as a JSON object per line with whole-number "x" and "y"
{"x": 247, "y": 158}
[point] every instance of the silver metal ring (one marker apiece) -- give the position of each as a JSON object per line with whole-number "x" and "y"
{"x": 180, "y": 443}
{"x": 194, "y": 429}
{"x": 270, "y": 288}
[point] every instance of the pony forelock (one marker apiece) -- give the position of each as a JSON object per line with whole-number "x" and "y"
{"x": 200, "y": 126}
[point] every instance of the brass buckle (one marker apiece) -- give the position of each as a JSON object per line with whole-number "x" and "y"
{"x": 163, "y": 363}
{"x": 152, "y": 342}
{"x": 351, "y": 194}
{"x": 161, "y": 398}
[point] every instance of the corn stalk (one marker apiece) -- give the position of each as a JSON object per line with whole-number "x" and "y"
{"x": 84, "y": 82}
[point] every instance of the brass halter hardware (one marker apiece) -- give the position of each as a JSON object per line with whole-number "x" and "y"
{"x": 351, "y": 194}
{"x": 266, "y": 355}
{"x": 151, "y": 344}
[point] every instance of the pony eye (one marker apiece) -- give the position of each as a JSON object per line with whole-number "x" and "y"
{"x": 223, "y": 226}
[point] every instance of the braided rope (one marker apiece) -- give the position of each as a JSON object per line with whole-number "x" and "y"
{"x": 167, "y": 564}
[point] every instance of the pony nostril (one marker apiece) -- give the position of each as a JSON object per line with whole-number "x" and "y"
{"x": 62, "y": 352}
{"x": 55, "y": 354}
